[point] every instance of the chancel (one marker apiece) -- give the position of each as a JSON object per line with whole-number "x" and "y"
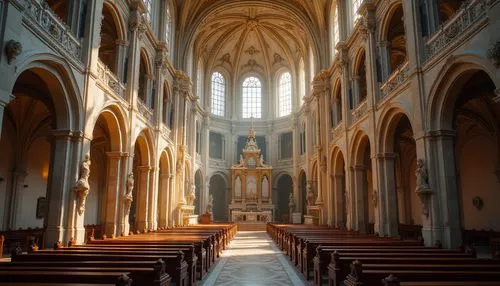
{"x": 250, "y": 142}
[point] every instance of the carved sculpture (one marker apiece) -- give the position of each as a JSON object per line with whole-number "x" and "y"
{"x": 291, "y": 203}
{"x": 210, "y": 204}
{"x": 191, "y": 195}
{"x": 12, "y": 50}
{"x": 422, "y": 186}
{"x": 310, "y": 195}
{"x": 494, "y": 54}
{"x": 81, "y": 187}
{"x": 128, "y": 198}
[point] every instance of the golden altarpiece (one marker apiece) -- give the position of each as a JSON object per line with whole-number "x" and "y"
{"x": 251, "y": 195}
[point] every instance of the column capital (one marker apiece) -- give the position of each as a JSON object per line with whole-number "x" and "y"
{"x": 442, "y": 134}
{"x": 144, "y": 168}
{"x": 116, "y": 154}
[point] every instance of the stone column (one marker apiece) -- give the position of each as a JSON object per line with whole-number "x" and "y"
{"x": 171, "y": 198}
{"x": 338, "y": 191}
{"x": 355, "y": 91}
{"x": 385, "y": 59}
{"x": 113, "y": 199}
{"x": 92, "y": 39}
{"x": 387, "y": 207}
{"x": 137, "y": 28}
{"x": 18, "y": 177}
{"x": 444, "y": 210}
{"x": 359, "y": 217}
{"x": 153, "y": 198}
{"x": 331, "y": 208}
{"x": 62, "y": 219}
{"x": 142, "y": 204}
{"x": 121, "y": 50}
{"x": 163, "y": 199}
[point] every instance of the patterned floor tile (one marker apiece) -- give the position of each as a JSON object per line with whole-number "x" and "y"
{"x": 252, "y": 259}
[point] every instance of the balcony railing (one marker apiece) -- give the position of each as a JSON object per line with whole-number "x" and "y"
{"x": 39, "y": 16}
{"x": 359, "y": 111}
{"x": 399, "y": 76}
{"x": 337, "y": 130}
{"x": 109, "y": 80}
{"x": 146, "y": 111}
{"x": 457, "y": 27}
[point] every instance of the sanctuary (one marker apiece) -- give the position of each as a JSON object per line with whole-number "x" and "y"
{"x": 251, "y": 196}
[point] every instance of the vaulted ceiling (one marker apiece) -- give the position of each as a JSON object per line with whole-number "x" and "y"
{"x": 252, "y": 35}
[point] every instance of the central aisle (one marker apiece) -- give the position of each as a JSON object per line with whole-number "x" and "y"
{"x": 252, "y": 258}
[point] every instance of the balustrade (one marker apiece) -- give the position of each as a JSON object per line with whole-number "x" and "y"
{"x": 145, "y": 111}
{"x": 359, "y": 111}
{"x": 399, "y": 76}
{"x": 457, "y": 27}
{"x": 45, "y": 23}
{"x": 109, "y": 80}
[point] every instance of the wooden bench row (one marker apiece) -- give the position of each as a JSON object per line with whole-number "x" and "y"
{"x": 348, "y": 258}
{"x": 179, "y": 256}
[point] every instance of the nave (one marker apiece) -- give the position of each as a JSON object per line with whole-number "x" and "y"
{"x": 252, "y": 258}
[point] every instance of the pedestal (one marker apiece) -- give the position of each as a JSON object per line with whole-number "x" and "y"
{"x": 190, "y": 219}
{"x": 296, "y": 218}
{"x": 206, "y": 219}
{"x": 309, "y": 219}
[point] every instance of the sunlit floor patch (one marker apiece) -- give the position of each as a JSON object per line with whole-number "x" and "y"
{"x": 252, "y": 259}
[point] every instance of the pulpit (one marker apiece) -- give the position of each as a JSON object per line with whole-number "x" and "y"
{"x": 251, "y": 185}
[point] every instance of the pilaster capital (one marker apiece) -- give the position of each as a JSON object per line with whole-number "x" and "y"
{"x": 116, "y": 154}
{"x": 143, "y": 169}
{"x": 123, "y": 43}
{"x": 442, "y": 134}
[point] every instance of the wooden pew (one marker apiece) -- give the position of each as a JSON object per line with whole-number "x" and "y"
{"x": 366, "y": 275}
{"x": 118, "y": 278}
{"x": 176, "y": 267}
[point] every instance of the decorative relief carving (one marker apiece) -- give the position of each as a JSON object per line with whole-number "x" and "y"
{"x": 398, "y": 77}
{"x": 359, "y": 111}
{"x": 109, "y": 80}
{"x": 12, "y": 50}
{"x": 278, "y": 59}
{"x": 252, "y": 51}
{"x": 252, "y": 64}
{"x": 225, "y": 59}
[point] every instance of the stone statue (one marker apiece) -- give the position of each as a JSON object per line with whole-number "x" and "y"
{"x": 241, "y": 159}
{"x": 261, "y": 160}
{"x": 12, "y": 50}
{"x": 310, "y": 195}
{"x": 128, "y": 198}
{"x": 82, "y": 187}
{"x": 210, "y": 204}
{"x": 291, "y": 203}
{"x": 422, "y": 182}
{"x": 191, "y": 196}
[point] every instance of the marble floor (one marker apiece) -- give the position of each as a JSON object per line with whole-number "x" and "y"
{"x": 251, "y": 259}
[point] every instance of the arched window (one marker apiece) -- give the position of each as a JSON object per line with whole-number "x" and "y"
{"x": 252, "y": 98}
{"x": 149, "y": 11}
{"x": 355, "y": 7}
{"x": 168, "y": 25}
{"x": 335, "y": 28}
{"x": 218, "y": 94}
{"x": 285, "y": 95}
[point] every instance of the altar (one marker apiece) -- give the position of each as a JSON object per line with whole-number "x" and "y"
{"x": 251, "y": 192}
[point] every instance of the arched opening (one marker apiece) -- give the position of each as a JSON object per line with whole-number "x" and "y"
{"x": 476, "y": 119}
{"x": 284, "y": 187}
{"x": 144, "y": 80}
{"x": 396, "y": 40}
{"x": 361, "y": 210}
{"x": 31, "y": 173}
{"x": 198, "y": 179}
{"x": 448, "y": 8}
{"x": 339, "y": 195}
{"x": 303, "y": 191}
{"x": 218, "y": 190}
{"x": 360, "y": 78}
{"x": 336, "y": 106}
{"x": 139, "y": 207}
{"x": 108, "y": 49}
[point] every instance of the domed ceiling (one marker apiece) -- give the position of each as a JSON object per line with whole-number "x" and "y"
{"x": 252, "y": 36}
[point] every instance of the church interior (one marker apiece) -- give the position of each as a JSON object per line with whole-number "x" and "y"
{"x": 251, "y": 142}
